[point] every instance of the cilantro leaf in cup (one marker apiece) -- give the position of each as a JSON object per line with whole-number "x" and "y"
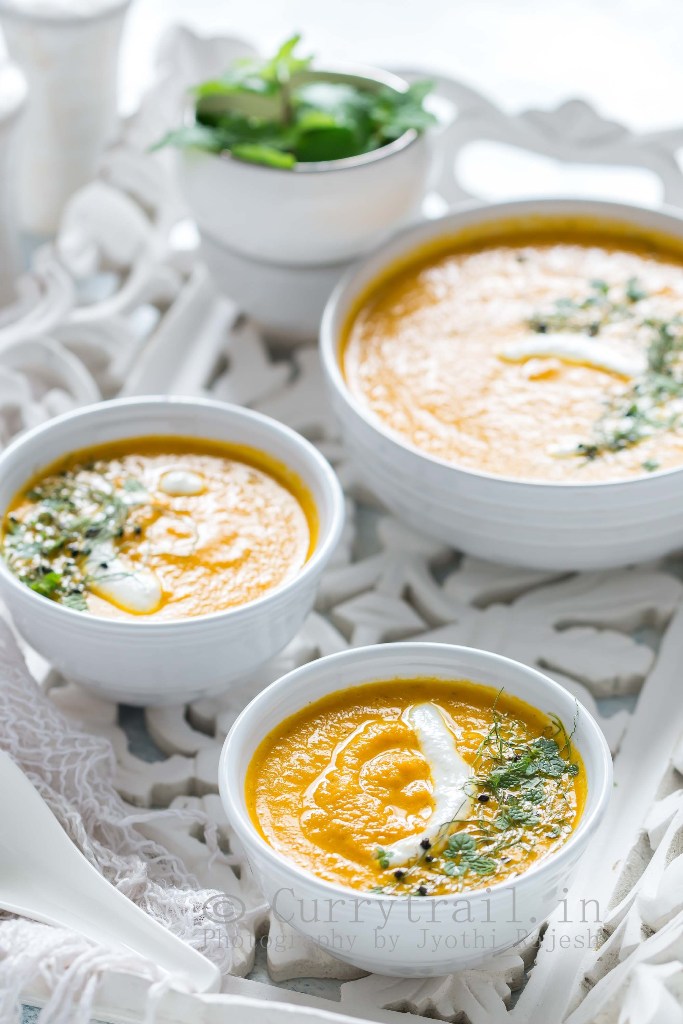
{"x": 278, "y": 112}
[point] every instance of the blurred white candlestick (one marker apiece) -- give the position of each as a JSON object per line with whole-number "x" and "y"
{"x": 12, "y": 99}
{"x": 68, "y": 51}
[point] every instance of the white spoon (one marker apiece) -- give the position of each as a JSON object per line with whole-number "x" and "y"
{"x": 44, "y": 876}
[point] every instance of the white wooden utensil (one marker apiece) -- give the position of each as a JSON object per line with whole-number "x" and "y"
{"x": 44, "y": 876}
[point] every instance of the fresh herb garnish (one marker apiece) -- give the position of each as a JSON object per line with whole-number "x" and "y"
{"x": 75, "y": 599}
{"x": 590, "y": 314}
{"x": 461, "y": 855}
{"x": 526, "y": 783}
{"x": 383, "y": 857}
{"x": 275, "y": 112}
{"x": 650, "y": 405}
{"x": 634, "y": 290}
{"x": 48, "y": 547}
{"x": 132, "y": 485}
{"x": 541, "y": 759}
{"x": 46, "y": 584}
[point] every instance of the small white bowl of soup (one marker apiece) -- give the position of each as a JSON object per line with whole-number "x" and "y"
{"x": 156, "y": 550}
{"x": 415, "y": 808}
{"x": 509, "y": 378}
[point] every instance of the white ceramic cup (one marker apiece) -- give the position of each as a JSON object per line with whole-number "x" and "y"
{"x": 411, "y": 936}
{"x": 277, "y": 240}
{"x": 556, "y": 526}
{"x": 68, "y": 50}
{"x": 176, "y": 661}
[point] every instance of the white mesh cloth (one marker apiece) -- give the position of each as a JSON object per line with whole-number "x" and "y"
{"x": 73, "y": 771}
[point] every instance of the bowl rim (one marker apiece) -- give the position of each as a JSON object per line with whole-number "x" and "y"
{"x": 240, "y": 820}
{"x": 352, "y": 284}
{"x": 320, "y": 468}
{"x": 361, "y": 72}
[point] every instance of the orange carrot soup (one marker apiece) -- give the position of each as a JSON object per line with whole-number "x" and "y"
{"x": 549, "y": 351}
{"x": 160, "y": 528}
{"x": 417, "y": 787}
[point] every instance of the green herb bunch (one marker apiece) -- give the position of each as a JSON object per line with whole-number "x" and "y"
{"x": 275, "y": 112}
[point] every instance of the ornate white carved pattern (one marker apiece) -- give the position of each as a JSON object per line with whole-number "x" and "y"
{"x": 119, "y": 304}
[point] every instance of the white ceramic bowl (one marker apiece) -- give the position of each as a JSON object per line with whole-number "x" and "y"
{"x": 176, "y": 661}
{"x": 277, "y": 240}
{"x": 410, "y": 936}
{"x": 557, "y": 526}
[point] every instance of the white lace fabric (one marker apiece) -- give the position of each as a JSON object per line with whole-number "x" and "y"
{"x": 73, "y": 772}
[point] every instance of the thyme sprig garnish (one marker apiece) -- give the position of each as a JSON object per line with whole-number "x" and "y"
{"x": 513, "y": 780}
{"x": 591, "y": 313}
{"x": 70, "y": 518}
{"x": 651, "y": 405}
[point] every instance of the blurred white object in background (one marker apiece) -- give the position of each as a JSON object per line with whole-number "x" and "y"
{"x": 12, "y": 99}
{"x": 68, "y": 50}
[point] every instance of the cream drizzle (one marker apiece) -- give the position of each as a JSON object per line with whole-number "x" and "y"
{"x": 450, "y": 774}
{"x": 181, "y": 483}
{"x": 576, "y": 348}
{"x": 134, "y": 590}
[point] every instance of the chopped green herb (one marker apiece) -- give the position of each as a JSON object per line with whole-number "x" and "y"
{"x": 46, "y": 547}
{"x": 519, "y": 779}
{"x": 634, "y": 290}
{"x": 46, "y": 584}
{"x": 461, "y": 852}
{"x": 383, "y": 857}
{"x": 132, "y": 485}
{"x": 642, "y": 410}
{"x": 589, "y": 314}
{"x": 76, "y": 600}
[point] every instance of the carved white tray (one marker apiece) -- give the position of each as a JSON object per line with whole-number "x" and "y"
{"x": 120, "y": 304}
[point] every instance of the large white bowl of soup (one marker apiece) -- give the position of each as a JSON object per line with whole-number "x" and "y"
{"x": 415, "y": 808}
{"x": 509, "y": 379}
{"x": 156, "y": 550}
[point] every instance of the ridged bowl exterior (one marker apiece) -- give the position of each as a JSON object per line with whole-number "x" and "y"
{"x": 434, "y": 936}
{"x": 554, "y": 526}
{"x": 168, "y": 662}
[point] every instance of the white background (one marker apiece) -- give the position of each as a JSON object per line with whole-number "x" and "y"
{"x": 625, "y": 56}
